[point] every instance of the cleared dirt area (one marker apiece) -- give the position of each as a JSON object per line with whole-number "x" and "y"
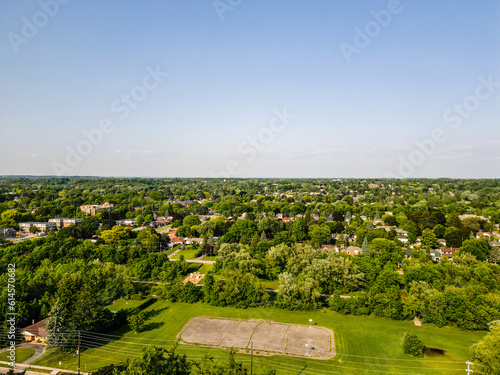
{"x": 267, "y": 337}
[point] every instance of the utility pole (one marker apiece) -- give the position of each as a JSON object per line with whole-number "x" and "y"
{"x": 78, "y": 351}
{"x": 468, "y": 367}
{"x": 251, "y": 357}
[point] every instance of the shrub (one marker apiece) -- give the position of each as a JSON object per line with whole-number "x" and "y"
{"x": 412, "y": 345}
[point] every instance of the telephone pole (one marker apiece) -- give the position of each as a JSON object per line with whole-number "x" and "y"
{"x": 251, "y": 358}
{"x": 78, "y": 351}
{"x": 468, "y": 367}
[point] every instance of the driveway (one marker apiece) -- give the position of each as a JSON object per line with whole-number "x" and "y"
{"x": 38, "y": 348}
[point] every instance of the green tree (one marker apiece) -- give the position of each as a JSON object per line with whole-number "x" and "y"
{"x": 365, "y": 249}
{"x": 486, "y": 352}
{"x": 320, "y": 234}
{"x": 159, "y": 361}
{"x": 479, "y": 248}
{"x": 413, "y": 345}
{"x": 439, "y": 231}
{"x": 55, "y": 326}
{"x": 389, "y": 220}
{"x": 299, "y": 230}
{"x": 386, "y": 251}
{"x": 114, "y": 235}
{"x": 429, "y": 240}
{"x": 136, "y": 321}
{"x": 139, "y": 220}
{"x": 191, "y": 220}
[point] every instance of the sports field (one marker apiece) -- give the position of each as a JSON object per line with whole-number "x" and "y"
{"x": 363, "y": 344}
{"x": 267, "y": 337}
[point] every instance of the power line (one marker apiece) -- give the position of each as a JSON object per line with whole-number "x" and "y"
{"x": 104, "y": 342}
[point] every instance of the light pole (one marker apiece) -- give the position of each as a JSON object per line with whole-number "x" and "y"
{"x": 310, "y": 322}
{"x": 307, "y": 350}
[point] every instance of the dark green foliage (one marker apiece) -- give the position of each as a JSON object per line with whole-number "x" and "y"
{"x": 479, "y": 248}
{"x": 110, "y": 370}
{"x": 412, "y": 345}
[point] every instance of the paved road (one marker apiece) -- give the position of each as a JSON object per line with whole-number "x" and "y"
{"x": 20, "y": 367}
{"x": 200, "y": 261}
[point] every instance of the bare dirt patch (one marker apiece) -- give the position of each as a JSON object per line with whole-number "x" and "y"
{"x": 267, "y": 337}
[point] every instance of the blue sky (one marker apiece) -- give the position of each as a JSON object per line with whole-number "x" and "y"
{"x": 228, "y": 69}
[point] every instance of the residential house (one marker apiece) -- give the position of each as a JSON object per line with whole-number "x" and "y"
{"x": 448, "y": 252}
{"x": 353, "y": 250}
{"x": 177, "y": 240}
{"x": 401, "y": 232}
{"x": 172, "y": 233}
{"x": 128, "y": 222}
{"x": 35, "y": 332}
{"x": 161, "y": 222}
{"x": 403, "y": 239}
{"x": 387, "y": 228}
{"x": 192, "y": 240}
{"x": 436, "y": 255}
{"x": 486, "y": 235}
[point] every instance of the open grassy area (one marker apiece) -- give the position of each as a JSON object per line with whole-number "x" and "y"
{"x": 210, "y": 257}
{"x": 205, "y": 268}
{"x": 365, "y": 345}
{"x": 124, "y": 304}
{"x": 271, "y": 284}
{"x": 166, "y": 228}
{"x": 22, "y": 354}
{"x": 173, "y": 249}
{"x": 189, "y": 254}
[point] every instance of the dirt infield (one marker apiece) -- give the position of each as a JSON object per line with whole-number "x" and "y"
{"x": 267, "y": 337}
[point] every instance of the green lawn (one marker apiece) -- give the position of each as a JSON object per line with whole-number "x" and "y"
{"x": 124, "y": 304}
{"x": 163, "y": 229}
{"x": 173, "y": 249}
{"x": 365, "y": 345}
{"x": 189, "y": 254}
{"x": 271, "y": 284}
{"x": 22, "y": 354}
{"x": 210, "y": 257}
{"x": 205, "y": 268}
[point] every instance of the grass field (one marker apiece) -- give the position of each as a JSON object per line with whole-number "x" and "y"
{"x": 124, "y": 304}
{"x": 173, "y": 249}
{"x": 271, "y": 284}
{"x": 189, "y": 254}
{"x": 365, "y": 345}
{"x": 22, "y": 354}
{"x": 210, "y": 257}
{"x": 205, "y": 268}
